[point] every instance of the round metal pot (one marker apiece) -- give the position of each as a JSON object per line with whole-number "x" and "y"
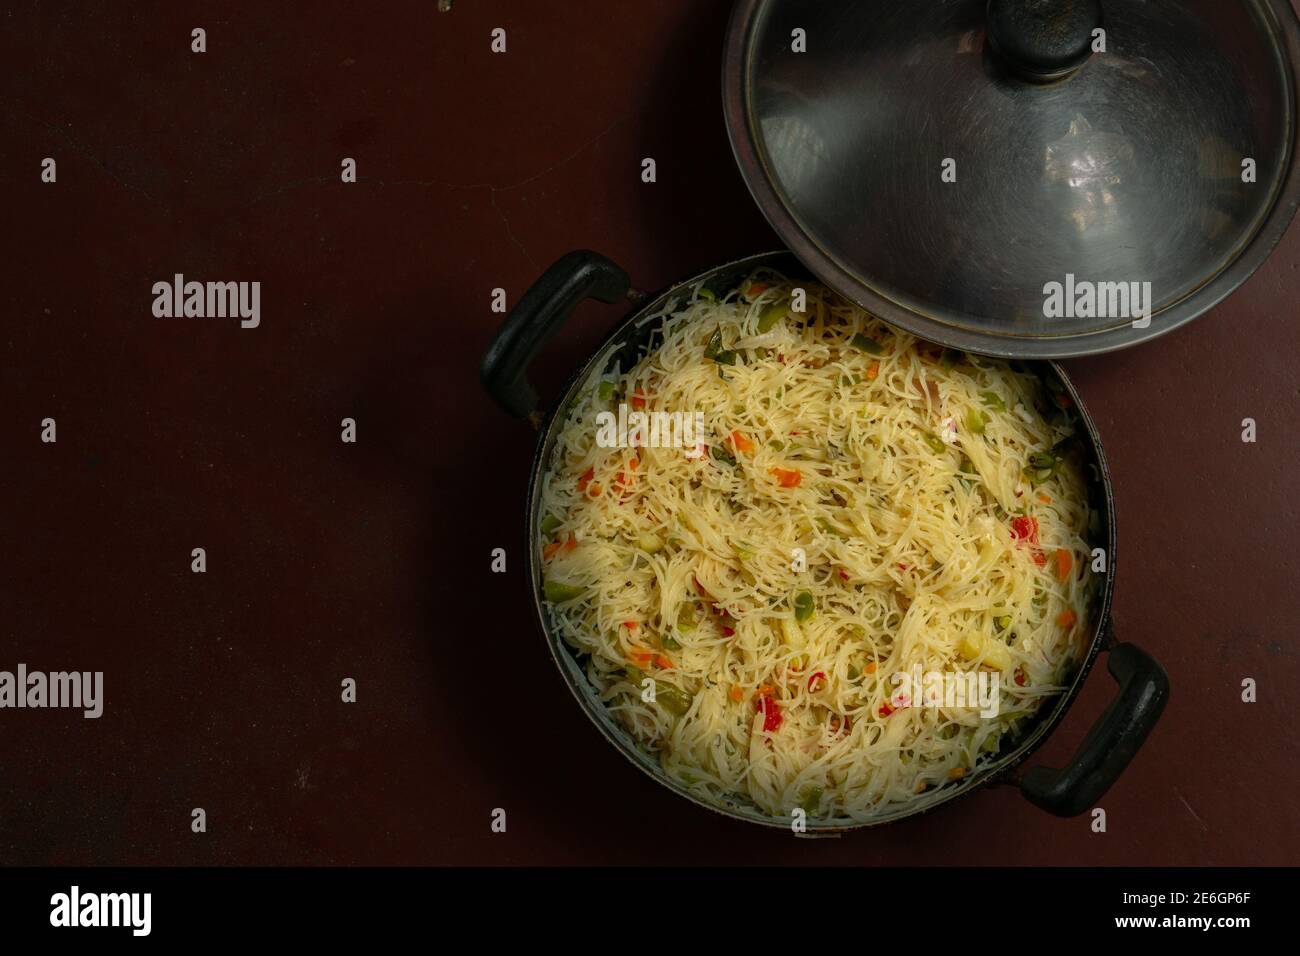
{"x": 1115, "y": 737}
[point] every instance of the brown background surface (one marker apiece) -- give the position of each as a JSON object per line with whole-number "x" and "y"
{"x": 371, "y": 560}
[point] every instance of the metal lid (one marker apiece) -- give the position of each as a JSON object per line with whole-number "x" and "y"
{"x": 1023, "y": 178}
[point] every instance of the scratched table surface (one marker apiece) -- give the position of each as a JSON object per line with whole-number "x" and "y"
{"x": 370, "y": 561}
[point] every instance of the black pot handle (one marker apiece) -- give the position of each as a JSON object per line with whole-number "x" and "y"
{"x": 1112, "y": 741}
{"x": 543, "y": 309}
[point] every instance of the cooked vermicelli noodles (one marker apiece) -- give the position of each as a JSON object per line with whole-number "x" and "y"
{"x": 860, "y": 505}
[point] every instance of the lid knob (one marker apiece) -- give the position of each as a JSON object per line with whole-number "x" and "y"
{"x": 1043, "y": 40}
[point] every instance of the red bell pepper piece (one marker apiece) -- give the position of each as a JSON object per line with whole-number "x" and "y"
{"x": 1025, "y": 528}
{"x": 771, "y": 711}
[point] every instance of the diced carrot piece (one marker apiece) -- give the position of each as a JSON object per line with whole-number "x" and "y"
{"x": 741, "y": 443}
{"x": 627, "y": 478}
{"x": 1064, "y": 564}
{"x": 736, "y": 693}
{"x": 788, "y": 478}
{"x": 1067, "y": 618}
{"x": 586, "y": 479}
{"x": 756, "y": 289}
{"x": 873, "y": 371}
{"x": 638, "y": 399}
{"x": 663, "y": 662}
{"x": 549, "y": 551}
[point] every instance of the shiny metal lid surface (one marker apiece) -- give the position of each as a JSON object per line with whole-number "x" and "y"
{"x": 1031, "y": 178}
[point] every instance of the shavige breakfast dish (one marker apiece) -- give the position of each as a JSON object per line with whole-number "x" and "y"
{"x": 858, "y": 507}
